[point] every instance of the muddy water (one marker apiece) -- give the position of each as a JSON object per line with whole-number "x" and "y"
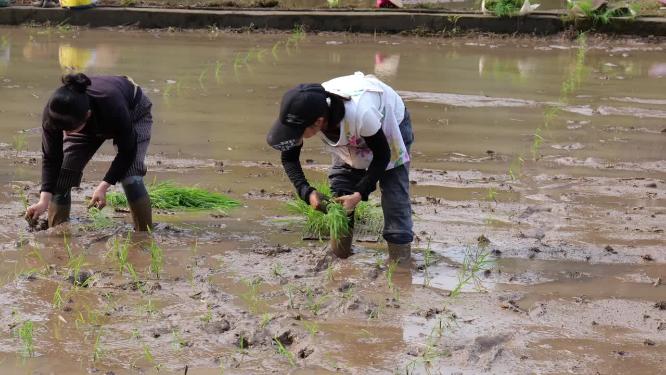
{"x": 576, "y": 236}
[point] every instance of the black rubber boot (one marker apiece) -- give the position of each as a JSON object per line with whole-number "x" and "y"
{"x": 59, "y": 208}
{"x": 400, "y": 254}
{"x": 139, "y": 203}
{"x": 342, "y": 248}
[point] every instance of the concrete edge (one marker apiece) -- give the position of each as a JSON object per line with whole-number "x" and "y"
{"x": 345, "y": 21}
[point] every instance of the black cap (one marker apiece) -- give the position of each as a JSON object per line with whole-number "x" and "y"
{"x": 300, "y": 108}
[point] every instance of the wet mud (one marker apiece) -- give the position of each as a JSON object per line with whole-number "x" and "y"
{"x": 567, "y": 245}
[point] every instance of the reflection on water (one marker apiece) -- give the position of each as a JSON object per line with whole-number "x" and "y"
{"x": 475, "y": 96}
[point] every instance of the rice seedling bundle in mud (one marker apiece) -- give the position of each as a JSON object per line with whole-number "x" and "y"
{"x": 334, "y": 222}
{"x": 168, "y": 196}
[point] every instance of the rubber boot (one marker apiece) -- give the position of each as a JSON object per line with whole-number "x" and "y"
{"x": 401, "y": 254}
{"x": 342, "y": 248}
{"x": 139, "y": 203}
{"x": 59, "y": 208}
{"x": 49, "y": 4}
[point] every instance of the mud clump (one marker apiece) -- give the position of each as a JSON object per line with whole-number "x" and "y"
{"x": 610, "y": 249}
{"x": 661, "y": 305}
{"x": 81, "y": 279}
{"x": 217, "y": 327}
{"x": 286, "y": 338}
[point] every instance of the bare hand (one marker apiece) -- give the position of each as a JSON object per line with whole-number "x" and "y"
{"x": 36, "y": 210}
{"x": 317, "y": 201}
{"x": 350, "y": 201}
{"x": 99, "y": 196}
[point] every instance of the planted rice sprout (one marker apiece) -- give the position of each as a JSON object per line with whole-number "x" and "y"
{"x": 156, "y": 258}
{"x": 428, "y": 260}
{"x": 314, "y": 304}
{"x": 168, "y": 196}
{"x": 120, "y": 252}
{"x": 311, "y": 326}
{"x": 251, "y": 297}
{"x": 100, "y": 220}
{"x": 265, "y": 319}
{"x": 19, "y": 143}
{"x": 98, "y": 352}
{"x": 58, "y": 301}
{"x": 283, "y": 351}
{"x": 25, "y": 333}
{"x": 477, "y": 260}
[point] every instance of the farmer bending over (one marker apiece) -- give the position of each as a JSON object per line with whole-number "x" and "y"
{"x": 365, "y": 125}
{"x": 78, "y": 118}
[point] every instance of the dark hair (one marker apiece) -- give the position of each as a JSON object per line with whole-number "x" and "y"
{"x": 69, "y": 104}
{"x": 336, "y": 108}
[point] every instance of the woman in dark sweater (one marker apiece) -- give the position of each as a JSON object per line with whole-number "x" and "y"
{"x": 78, "y": 118}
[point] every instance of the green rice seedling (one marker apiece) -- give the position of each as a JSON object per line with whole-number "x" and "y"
{"x": 19, "y": 143}
{"x": 74, "y": 266}
{"x": 265, "y": 319}
{"x": 168, "y": 196}
{"x": 208, "y": 316}
{"x": 178, "y": 341}
{"x": 24, "y": 198}
{"x": 68, "y": 246}
{"x": 476, "y": 261}
{"x": 504, "y": 8}
{"x": 427, "y": 357}
{"x": 135, "y": 277}
{"x": 201, "y": 79}
{"x": 289, "y": 292}
{"x": 428, "y": 259}
{"x": 120, "y": 252}
{"x": 251, "y": 297}
{"x": 275, "y": 49}
{"x": 98, "y": 352}
{"x": 333, "y": 223}
{"x": 156, "y": 258}
{"x": 149, "y": 307}
{"x": 218, "y": 71}
{"x": 148, "y": 356}
{"x": 311, "y": 327}
{"x": 283, "y": 351}
{"x": 135, "y": 334}
{"x": 100, "y": 220}
{"x": 314, "y": 304}
{"x": 389, "y": 274}
{"x": 25, "y": 333}
{"x": 58, "y": 301}
{"x": 329, "y": 272}
{"x": 277, "y": 270}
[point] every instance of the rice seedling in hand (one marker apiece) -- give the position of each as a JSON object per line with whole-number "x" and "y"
{"x": 168, "y": 196}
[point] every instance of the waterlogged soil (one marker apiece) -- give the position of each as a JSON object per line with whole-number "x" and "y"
{"x": 572, "y": 220}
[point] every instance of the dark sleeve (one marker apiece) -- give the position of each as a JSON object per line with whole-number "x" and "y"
{"x": 381, "y": 156}
{"x": 292, "y": 166}
{"x": 126, "y": 141}
{"x": 52, "y": 155}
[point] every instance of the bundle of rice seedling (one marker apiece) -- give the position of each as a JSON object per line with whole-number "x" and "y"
{"x": 168, "y": 196}
{"x": 334, "y": 223}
